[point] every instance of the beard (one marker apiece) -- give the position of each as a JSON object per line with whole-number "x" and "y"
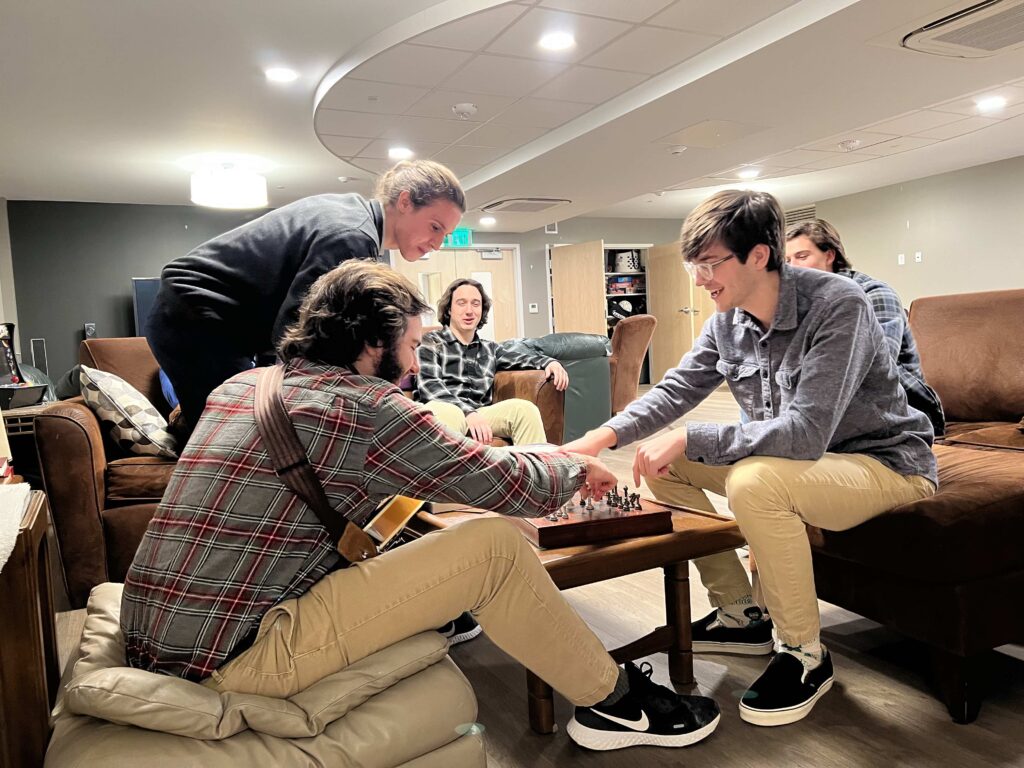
{"x": 388, "y": 367}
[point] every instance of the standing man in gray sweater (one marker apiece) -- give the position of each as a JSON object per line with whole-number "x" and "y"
{"x": 830, "y": 439}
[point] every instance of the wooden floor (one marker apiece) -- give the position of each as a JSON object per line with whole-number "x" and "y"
{"x": 881, "y": 711}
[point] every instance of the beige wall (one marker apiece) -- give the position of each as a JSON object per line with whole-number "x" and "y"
{"x": 968, "y": 225}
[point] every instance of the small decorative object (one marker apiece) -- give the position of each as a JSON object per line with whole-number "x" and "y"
{"x": 627, "y": 261}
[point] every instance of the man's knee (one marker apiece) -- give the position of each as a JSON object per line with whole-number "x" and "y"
{"x": 756, "y": 483}
{"x": 496, "y": 535}
{"x": 449, "y": 415}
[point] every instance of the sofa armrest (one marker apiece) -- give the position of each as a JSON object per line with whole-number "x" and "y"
{"x": 73, "y": 461}
{"x": 535, "y": 387}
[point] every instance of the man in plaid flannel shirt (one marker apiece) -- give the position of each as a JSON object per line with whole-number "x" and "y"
{"x": 457, "y": 370}
{"x": 816, "y": 245}
{"x": 238, "y": 585}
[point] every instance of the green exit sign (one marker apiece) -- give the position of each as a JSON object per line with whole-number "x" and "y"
{"x": 461, "y": 237}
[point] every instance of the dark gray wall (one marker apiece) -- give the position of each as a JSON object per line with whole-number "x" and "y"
{"x": 73, "y": 264}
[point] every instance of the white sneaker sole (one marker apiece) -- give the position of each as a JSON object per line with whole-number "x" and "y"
{"x": 600, "y": 740}
{"x": 783, "y": 716}
{"x": 740, "y": 649}
{"x": 464, "y": 636}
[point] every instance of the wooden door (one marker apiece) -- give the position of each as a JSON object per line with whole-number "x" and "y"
{"x": 431, "y": 274}
{"x": 577, "y": 288}
{"x": 498, "y": 276}
{"x": 669, "y": 299}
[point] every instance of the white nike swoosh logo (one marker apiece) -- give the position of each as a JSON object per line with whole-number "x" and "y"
{"x": 637, "y": 725}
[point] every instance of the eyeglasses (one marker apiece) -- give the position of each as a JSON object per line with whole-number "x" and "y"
{"x": 704, "y": 269}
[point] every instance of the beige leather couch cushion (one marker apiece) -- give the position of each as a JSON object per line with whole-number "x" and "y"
{"x": 398, "y": 705}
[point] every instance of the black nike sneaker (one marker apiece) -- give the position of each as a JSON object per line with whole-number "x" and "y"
{"x": 461, "y": 629}
{"x": 755, "y": 639}
{"x": 648, "y": 714}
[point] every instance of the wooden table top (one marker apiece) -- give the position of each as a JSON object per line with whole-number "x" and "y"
{"x": 694, "y": 534}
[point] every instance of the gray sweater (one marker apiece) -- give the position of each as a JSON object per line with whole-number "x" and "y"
{"x": 819, "y": 379}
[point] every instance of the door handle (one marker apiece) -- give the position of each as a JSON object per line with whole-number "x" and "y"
{"x": 686, "y": 310}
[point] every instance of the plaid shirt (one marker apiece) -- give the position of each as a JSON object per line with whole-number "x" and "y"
{"x": 463, "y": 374}
{"x": 900, "y": 341}
{"x": 229, "y": 540}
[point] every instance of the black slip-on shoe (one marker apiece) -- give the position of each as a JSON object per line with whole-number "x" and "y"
{"x": 649, "y": 714}
{"x": 755, "y": 639}
{"x": 461, "y": 629}
{"x": 786, "y": 691}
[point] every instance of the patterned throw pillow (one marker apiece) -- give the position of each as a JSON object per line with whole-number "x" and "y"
{"x": 131, "y": 421}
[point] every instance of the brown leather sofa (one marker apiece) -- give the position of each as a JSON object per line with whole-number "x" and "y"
{"x": 101, "y": 499}
{"x": 946, "y": 570}
{"x": 630, "y": 340}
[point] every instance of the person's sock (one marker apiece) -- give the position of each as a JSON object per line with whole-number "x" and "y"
{"x": 739, "y": 613}
{"x": 810, "y": 654}
{"x": 621, "y": 689}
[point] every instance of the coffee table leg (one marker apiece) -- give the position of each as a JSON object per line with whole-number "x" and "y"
{"x": 541, "y": 702}
{"x": 677, "y": 614}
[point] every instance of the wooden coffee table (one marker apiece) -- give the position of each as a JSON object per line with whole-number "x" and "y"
{"x": 694, "y": 534}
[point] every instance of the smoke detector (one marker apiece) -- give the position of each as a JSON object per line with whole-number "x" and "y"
{"x": 848, "y": 145}
{"x": 677, "y": 149}
{"x": 464, "y": 110}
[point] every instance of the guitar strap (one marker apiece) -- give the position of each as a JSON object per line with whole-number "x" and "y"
{"x": 292, "y": 465}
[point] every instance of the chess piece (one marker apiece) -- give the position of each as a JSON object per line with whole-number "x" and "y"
{"x": 590, "y": 505}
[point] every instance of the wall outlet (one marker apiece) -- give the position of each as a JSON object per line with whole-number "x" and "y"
{"x": 901, "y": 259}
{"x": 532, "y": 308}
{"x": 918, "y": 257}
{"x": 90, "y": 330}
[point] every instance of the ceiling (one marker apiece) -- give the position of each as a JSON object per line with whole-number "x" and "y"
{"x": 100, "y": 101}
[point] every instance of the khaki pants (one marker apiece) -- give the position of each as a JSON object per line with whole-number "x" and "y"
{"x": 484, "y": 566}
{"x": 772, "y": 499}
{"x": 514, "y": 418}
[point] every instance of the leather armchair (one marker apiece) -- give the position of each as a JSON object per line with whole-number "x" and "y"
{"x": 101, "y": 499}
{"x": 630, "y": 340}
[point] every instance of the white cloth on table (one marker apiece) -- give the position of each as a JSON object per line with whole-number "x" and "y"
{"x": 13, "y": 503}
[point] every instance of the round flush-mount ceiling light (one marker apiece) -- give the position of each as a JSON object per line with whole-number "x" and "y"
{"x": 281, "y": 74}
{"x": 557, "y": 41}
{"x": 399, "y": 153}
{"x": 749, "y": 173}
{"x": 990, "y": 103}
{"x": 464, "y": 110}
{"x": 488, "y": 221}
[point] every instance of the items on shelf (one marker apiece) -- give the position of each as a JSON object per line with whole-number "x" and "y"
{"x": 618, "y": 284}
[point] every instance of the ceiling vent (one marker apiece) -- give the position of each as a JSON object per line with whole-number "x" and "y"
{"x": 975, "y": 32}
{"x": 796, "y": 216}
{"x": 526, "y": 204}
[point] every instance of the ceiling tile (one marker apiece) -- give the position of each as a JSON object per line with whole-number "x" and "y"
{"x": 462, "y": 169}
{"x": 866, "y": 139}
{"x": 702, "y": 181}
{"x": 471, "y": 33}
{"x": 922, "y": 120}
{"x": 902, "y": 144}
{"x": 650, "y": 50}
{"x": 717, "y": 17}
{"x": 589, "y": 85}
{"x": 338, "y": 122}
{"x": 494, "y": 135}
{"x": 466, "y": 154}
{"x": 378, "y": 149}
{"x": 766, "y": 172}
{"x": 837, "y": 161}
{"x": 541, "y": 113}
{"x": 521, "y": 38}
{"x": 344, "y": 146}
{"x": 959, "y": 128}
{"x": 369, "y": 96}
{"x": 372, "y": 165}
{"x": 797, "y": 157}
{"x": 409, "y": 128}
{"x": 968, "y": 105}
{"x": 710, "y": 134}
{"x": 503, "y": 76}
{"x": 634, "y": 10}
{"x": 440, "y": 103}
{"x": 411, "y": 65}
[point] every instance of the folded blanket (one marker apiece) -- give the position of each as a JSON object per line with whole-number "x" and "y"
{"x": 13, "y": 503}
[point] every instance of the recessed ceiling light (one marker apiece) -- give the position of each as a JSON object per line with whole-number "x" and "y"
{"x": 229, "y": 186}
{"x": 557, "y": 41}
{"x": 281, "y": 75}
{"x": 991, "y": 103}
{"x": 399, "y": 153}
{"x": 488, "y": 221}
{"x": 749, "y": 173}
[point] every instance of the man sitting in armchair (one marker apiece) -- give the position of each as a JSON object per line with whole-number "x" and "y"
{"x": 457, "y": 370}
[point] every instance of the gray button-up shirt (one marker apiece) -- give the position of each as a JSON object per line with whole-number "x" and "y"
{"x": 819, "y": 379}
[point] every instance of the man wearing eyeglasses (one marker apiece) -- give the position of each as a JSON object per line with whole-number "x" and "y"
{"x": 830, "y": 439}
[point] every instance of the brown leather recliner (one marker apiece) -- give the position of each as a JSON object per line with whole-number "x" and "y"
{"x": 630, "y": 340}
{"x": 101, "y": 499}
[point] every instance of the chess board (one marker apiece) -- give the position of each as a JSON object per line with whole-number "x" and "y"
{"x": 575, "y": 524}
